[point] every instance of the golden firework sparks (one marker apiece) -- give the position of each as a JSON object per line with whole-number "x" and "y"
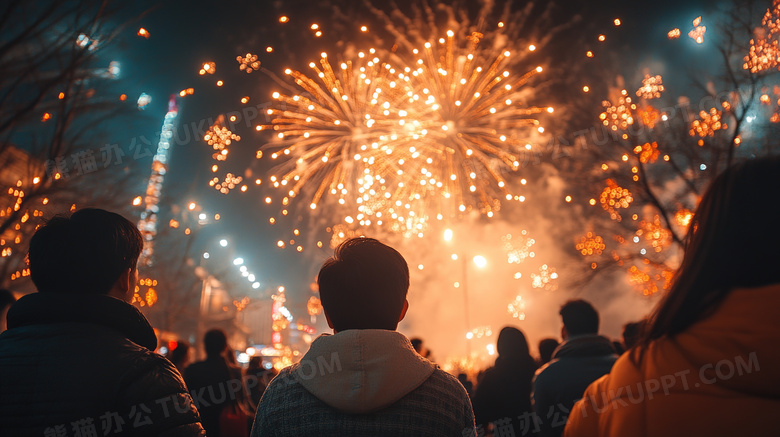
{"x": 208, "y": 68}
{"x": 708, "y": 123}
{"x": 655, "y": 233}
{"x": 545, "y": 279}
{"x": 615, "y": 197}
{"x": 764, "y": 53}
{"x": 590, "y": 244}
{"x": 401, "y": 145}
{"x": 230, "y": 182}
{"x": 652, "y": 87}
{"x": 517, "y": 308}
{"x": 648, "y": 152}
{"x": 248, "y": 63}
{"x": 697, "y": 33}
{"x": 219, "y": 138}
{"x": 620, "y": 115}
{"x": 518, "y": 247}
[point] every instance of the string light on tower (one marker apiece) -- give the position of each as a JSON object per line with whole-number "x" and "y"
{"x": 148, "y": 223}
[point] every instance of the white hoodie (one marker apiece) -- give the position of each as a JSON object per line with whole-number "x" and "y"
{"x": 360, "y": 371}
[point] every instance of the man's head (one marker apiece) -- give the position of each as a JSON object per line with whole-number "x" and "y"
{"x": 92, "y": 251}
{"x": 632, "y": 332}
{"x": 215, "y": 343}
{"x": 579, "y": 318}
{"x": 364, "y": 285}
{"x": 546, "y": 348}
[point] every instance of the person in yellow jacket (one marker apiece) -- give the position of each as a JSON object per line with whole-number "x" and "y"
{"x": 708, "y": 363}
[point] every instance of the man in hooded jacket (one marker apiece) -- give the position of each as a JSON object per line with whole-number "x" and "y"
{"x": 366, "y": 378}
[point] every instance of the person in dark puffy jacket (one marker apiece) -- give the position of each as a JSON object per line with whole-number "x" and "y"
{"x": 77, "y": 358}
{"x": 583, "y": 357}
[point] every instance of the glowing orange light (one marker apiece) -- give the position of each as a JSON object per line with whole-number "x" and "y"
{"x": 220, "y": 83}
{"x": 46, "y": 116}
{"x": 123, "y": 97}
{"x": 283, "y": 19}
{"x": 617, "y": 21}
{"x": 590, "y": 244}
{"x": 208, "y": 68}
{"x": 589, "y": 54}
{"x": 143, "y": 33}
{"x": 249, "y": 62}
{"x": 684, "y": 217}
{"x": 697, "y": 34}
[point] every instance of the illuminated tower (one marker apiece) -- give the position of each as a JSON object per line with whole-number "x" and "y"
{"x": 148, "y": 223}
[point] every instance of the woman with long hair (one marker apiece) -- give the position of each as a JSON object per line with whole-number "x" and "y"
{"x": 504, "y": 393}
{"x": 708, "y": 361}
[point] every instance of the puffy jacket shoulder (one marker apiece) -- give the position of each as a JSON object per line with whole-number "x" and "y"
{"x": 154, "y": 389}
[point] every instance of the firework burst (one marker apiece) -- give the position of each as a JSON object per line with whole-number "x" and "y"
{"x": 341, "y": 134}
{"x": 399, "y": 145}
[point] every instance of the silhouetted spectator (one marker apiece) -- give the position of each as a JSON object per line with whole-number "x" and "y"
{"x": 632, "y": 333}
{"x": 546, "y": 348}
{"x": 618, "y": 347}
{"x": 6, "y": 300}
{"x": 418, "y": 346}
{"x": 708, "y": 363}
{"x": 76, "y": 354}
{"x": 258, "y": 375}
{"x": 217, "y": 386}
{"x": 366, "y": 379}
{"x": 464, "y": 380}
{"x": 180, "y": 356}
{"x": 504, "y": 395}
{"x": 583, "y": 357}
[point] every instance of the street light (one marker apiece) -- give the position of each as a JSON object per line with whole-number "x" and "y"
{"x": 479, "y": 261}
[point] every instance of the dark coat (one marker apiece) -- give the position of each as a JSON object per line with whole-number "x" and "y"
{"x": 576, "y": 363}
{"x": 504, "y": 395}
{"x": 78, "y": 364}
{"x": 215, "y": 385}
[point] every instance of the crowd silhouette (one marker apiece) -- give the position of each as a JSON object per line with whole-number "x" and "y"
{"x": 77, "y": 359}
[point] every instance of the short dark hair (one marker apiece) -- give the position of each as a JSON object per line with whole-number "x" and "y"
{"x": 579, "y": 317}
{"x": 546, "y": 348}
{"x": 632, "y": 332}
{"x": 180, "y": 352}
{"x": 215, "y": 342}
{"x": 416, "y": 343}
{"x": 83, "y": 253}
{"x": 364, "y": 285}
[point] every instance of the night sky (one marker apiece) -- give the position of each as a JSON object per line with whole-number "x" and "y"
{"x": 184, "y": 35}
